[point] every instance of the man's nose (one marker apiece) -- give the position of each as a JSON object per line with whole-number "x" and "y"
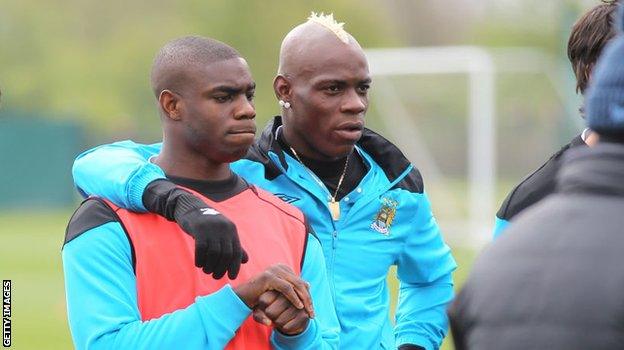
{"x": 245, "y": 109}
{"x": 354, "y": 103}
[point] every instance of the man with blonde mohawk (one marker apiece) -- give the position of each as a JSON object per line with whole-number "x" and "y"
{"x": 362, "y": 196}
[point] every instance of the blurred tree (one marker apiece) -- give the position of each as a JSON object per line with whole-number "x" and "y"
{"x": 90, "y": 60}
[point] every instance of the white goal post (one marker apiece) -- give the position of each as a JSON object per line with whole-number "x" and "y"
{"x": 480, "y": 66}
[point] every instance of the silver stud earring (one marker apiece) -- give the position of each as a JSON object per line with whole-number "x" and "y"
{"x": 284, "y": 104}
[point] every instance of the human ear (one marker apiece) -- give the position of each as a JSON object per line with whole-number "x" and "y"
{"x": 171, "y": 104}
{"x": 282, "y": 88}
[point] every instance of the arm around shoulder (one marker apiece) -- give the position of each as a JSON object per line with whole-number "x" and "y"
{"x": 119, "y": 172}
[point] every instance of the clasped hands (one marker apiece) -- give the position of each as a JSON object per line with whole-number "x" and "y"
{"x": 278, "y": 298}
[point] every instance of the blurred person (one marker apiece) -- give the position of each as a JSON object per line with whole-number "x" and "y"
{"x": 589, "y": 36}
{"x": 555, "y": 280}
{"x": 364, "y": 199}
{"x": 131, "y": 281}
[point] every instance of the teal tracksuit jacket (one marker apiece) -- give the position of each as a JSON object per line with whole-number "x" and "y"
{"x": 385, "y": 221}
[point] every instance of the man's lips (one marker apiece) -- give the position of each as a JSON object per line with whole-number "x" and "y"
{"x": 243, "y": 131}
{"x": 351, "y": 126}
{"x": 351, "y": 131}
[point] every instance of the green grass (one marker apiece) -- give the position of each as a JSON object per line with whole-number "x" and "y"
{"x": 30, "y": 255}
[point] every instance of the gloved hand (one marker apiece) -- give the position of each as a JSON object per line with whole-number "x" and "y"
{"x": 217, "y": 246}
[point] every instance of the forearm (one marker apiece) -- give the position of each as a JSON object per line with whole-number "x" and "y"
{"x": 103, "y": 307}
{"x": 311, "y": 338}
{"x": 426, "y": 286}
{"x": 323, "y": 331}
{"x": 206, "y": 324}
{"x": 421, "y": 313}
{"x": 119, "y": 172}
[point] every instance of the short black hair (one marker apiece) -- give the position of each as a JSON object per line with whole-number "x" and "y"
{"x": 589, "y": 36}
{"x": 173, "y": 61}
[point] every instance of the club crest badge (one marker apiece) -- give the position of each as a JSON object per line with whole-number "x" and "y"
{"x": 286, "y": 198}
{"x": 384, "y": 217}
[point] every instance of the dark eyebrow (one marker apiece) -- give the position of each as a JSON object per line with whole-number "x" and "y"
{"x": 233, "y": 90}
{"x": 331, "y": 81}
{"x": 342, "y": 82}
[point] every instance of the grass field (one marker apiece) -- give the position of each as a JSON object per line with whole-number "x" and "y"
{"x": 30, "y": 256}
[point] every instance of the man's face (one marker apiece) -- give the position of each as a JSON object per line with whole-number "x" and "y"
{"x": 330, "y": 99}
{"x": 219, "y": 111}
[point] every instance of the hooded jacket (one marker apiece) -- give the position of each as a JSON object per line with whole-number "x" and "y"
{"x": 555, "y": 280}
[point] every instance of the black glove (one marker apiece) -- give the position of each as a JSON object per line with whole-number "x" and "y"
{"x": 217, "y": 247}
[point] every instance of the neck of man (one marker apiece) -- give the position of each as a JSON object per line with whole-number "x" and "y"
{"x": 330, "y": 172}
{"x": 180, "y": 160}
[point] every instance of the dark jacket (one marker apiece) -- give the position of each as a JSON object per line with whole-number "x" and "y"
{"x": 556, "y": 280}
{"x": 533, "y": 188}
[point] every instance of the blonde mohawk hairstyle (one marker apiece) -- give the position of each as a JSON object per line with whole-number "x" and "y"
{"x": 330, "y": 23}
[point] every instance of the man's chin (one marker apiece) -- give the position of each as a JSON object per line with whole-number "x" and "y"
{"x": 236, "y": 154}
{"x": 345, "y": 147}
{"x": 340, "y": 151}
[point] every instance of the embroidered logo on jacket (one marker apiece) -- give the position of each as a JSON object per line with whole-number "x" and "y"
{"x": 384, "y": 217}
{"x": 209, "y": 211}
{"x": 286, "y": 198}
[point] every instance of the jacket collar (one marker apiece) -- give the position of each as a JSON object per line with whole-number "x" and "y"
{"x": 598, "y": 169}
{"x": 388, "y": 156}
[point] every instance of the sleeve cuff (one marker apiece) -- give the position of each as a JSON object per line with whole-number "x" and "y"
{"x": 299, "y": 341}
{"x": 222, "y": 312}
{"x": 411, "y": 347}
{"x": 418, "y": 340}
{"x": 499, "y": 226}
{"x": 139, "y": 181}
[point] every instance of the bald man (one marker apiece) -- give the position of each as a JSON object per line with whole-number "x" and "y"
{"x": 362, "y": 196}
{"x": 130, "y": 278}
